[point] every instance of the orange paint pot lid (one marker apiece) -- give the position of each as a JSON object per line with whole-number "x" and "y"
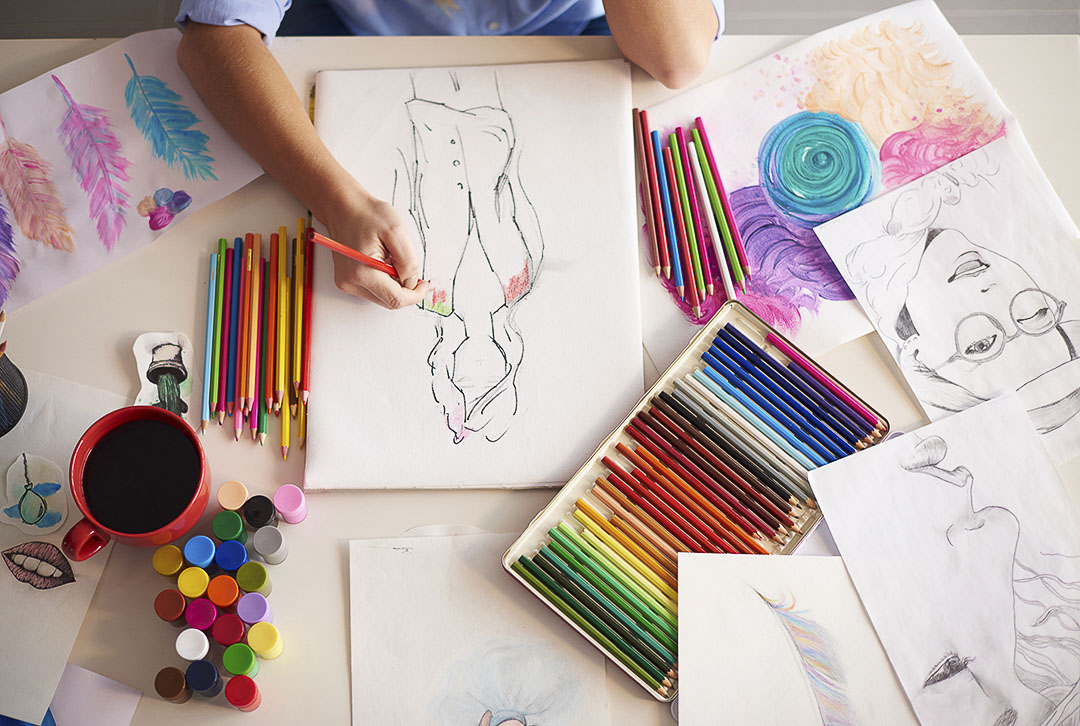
{"x": 223, "y": 591}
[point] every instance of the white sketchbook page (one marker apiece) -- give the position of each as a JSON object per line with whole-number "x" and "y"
{"x": 895, "y": 75}
{"x": 32, "y": 113}
{"x": 441, "y": 635}
{"x": 394, "y": 408}
{"x": 953, "y": 267}
{"x": 85, "y": 698}
{"x": 962, "y": 543}
{"x": 743, "y": 660}
{"x": 41, "y": 624}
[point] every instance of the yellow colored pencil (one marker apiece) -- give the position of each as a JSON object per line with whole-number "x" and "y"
{"x": 253, "y": 326}
{"x": 285, "y": 424}
{"x": 282, "y": 317}
{"x": 298, "y": 304}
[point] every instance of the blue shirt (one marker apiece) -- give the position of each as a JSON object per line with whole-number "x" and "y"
{"x": 418, "y": 17}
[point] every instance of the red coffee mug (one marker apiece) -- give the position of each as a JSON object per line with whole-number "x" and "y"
{"x": 88, "y": 535}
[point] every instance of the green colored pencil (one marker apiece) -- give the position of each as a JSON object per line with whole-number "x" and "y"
{"x": 264, "y": 358}
{"x": 625, "y": 567}
{"x": 718, "y": 213}
{"x": 219, "y": 294}
{"x": 688, "y": 219}
{"x": 584, "y": 625}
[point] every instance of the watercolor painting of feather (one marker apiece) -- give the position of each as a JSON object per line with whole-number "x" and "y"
{"x": 25, "y": 181}
{"x": 816, "y": 654}
{"x": 167, "y": 125}
{"x": 9, "y": 260}
{"x": 98, "y": 163}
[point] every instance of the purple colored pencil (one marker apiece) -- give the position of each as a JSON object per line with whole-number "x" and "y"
{"x": 226, "y": 316}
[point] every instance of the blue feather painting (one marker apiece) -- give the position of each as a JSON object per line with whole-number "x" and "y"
{"x": 168, "y": 125}
{"x": 9, "y": 260}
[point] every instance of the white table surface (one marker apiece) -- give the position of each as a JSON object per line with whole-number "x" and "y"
{"x": 84, "y": 332}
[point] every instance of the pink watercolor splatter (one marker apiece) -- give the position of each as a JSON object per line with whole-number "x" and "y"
{"x": 908, "y": 155}
{"x": 518, "y": 285}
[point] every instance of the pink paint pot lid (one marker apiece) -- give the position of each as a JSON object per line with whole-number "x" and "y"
{"x": 290, "y": 503}
{"x": 200, "y": 614}
{"x": 253, "y": 608}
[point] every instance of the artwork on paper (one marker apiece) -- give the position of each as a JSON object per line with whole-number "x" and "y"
{"x": 89, "y": 148}
{"x": 490, "y": 368}
{"x": 811, "y": 657}
{"x": 163, "y": 361}
{"x": 47, "y": 721}
{"x": 36, "y": 495}
{"x": 40, "y": 565}
{"x": 462, "y": 178}
{"x": 982, "y": 621}
{"x": 478, "y": 649}
{"x": 969, "y": 275}
{"x": 814, "y": 131}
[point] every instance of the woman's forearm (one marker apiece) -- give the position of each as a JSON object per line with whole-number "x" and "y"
{"x": 669, "y": 39}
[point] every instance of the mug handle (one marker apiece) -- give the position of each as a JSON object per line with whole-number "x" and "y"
{"x": 83, "y": 541}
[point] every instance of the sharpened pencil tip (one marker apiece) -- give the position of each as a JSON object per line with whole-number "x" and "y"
{"x": 667, "y": 272}
{"x": 284, "y": 453}
{"x": 304, "y": 395}
{"x": 656, "y": 269}
{"x": 711, "y": 289}
{"x": 220, "y": 417}
{"x": 202, "y": 428}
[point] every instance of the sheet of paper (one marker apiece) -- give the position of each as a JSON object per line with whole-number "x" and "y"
{"x": 780, "y": 640}
{"x": 515, "y": 183}
{"x": 441, "y": 635}
{"x": 44, "y": 606}
{"x": 100, "y": 155}
{"x": 85, "y": 698}
{"x": 813, "y": 131}
{"x": 962, "y": 543}
{"x": 970, "y": 275}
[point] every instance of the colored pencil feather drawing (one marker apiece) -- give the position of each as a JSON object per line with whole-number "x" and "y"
{"x": 167, "y": 125}
{"x": 98, "y": 163}
{"x": 9, "y": 260}
{"x": 37, "y": 208}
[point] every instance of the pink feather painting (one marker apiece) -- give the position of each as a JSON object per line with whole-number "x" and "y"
{"x": 98, "y": 163}
{"x": 25, "y": 181}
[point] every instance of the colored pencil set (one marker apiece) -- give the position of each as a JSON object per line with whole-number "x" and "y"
{"x": 715, "y": 458}
{"x": 258, "y": 334}
{"x": 687, "y": 214}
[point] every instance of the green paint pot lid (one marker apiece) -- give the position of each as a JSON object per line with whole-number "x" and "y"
{"x": 252, "y": 577}
{"x": 238, "y": 659}
{"x": 227, "y": 525}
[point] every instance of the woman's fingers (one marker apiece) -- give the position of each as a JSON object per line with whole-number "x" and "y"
{"x": 403, "y": 256}
{"x": 376, "y": 286}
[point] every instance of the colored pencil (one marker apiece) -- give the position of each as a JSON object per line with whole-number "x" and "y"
{"x": 270, "y": 358}
{"x": 208, "y": 348}
{"x": 255, "y": 308}
{"x": 597, "y": 519}
{"x": 687, "y": 217}
{"x": 645, "y": 191}
{"x": 351, "y": 253}
{"x": 245, "y": 323}
{"x": 714, "y": 233}
{"x": 621, "y": 517}
{"x": 695, "y": 211}
{"x": 234, "y": 323}
{"x": 718, "y": 216}
{"x": 309, "y": 285}
{"x": 286, "y": 418}
{"x": 649, "y": 526}
{"x": 298, "y": 305}
{"x": 290, "y": 339}
{"x": 264, "y": 404}
{"x": 282, "y": 335}
{"x": 668, "y": 215}
{"x": 226, "y": 310}
{"x": 219, "y": 296}
{"x": 724, "y": 201}
{"x": 680, "y": 233}
{"x": 654, "y": 195}
{"x": 257, "y": 348}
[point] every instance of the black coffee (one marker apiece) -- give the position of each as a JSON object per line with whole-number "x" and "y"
{"x": 140, "y": 476}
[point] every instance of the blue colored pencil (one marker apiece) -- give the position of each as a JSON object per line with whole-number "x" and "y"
{"x": 810, "y": 381}
{"x": 669, "y": 218}
{"x": 796, "y": 386}
{"x": 801, "y": 433}
{"x": 211, "y": 294}
{"x": 234, "y": 321}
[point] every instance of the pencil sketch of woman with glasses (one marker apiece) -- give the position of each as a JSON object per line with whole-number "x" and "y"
{"x": 965, "y": 321}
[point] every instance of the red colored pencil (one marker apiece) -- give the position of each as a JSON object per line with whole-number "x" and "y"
{"x": 309, "y": 278}
{"x": 270, "y": 359}
{"x": 242, "y": 341}
{"x": 351, "y": 253}
{"x": 646, "y": 191}
{"x": 718, "y": 536}
{"x": 684, "y": 245}
{"x": 671, "y": 544}
{"x": 225, "y": 318}
{"x": 724, "y": 202}
{"x": 654, "y": 194}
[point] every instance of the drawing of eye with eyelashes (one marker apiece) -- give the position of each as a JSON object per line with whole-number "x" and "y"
{"x": 981, "y": 337}
{"x": 946, "y": 668}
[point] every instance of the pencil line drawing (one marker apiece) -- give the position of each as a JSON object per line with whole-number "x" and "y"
{"x": 1027, "y": 670}
{"x": 37, "y": 504}
{"x": 38, "y": 564}
{"x": 482, "y": 243}
{"x": 815, "y": 650}
{"x": 965, "y": 321}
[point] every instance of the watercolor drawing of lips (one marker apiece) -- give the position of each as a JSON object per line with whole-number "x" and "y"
{"x": 39, "y": 564}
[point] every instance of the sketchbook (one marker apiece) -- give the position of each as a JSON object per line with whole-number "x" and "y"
{"x": 516, "y": 186}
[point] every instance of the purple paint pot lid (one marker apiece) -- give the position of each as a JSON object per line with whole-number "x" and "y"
{"x": 254, "y": 608}
{"x": 200, "y": 614}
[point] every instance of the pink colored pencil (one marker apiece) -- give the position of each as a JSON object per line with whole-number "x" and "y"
{"x": 724, "y": 202}
{"x": 695, "y": 211}
{"x": 225, "y": 317}
{"x": 257, "y": 378}
{"x": 684, "y": 245}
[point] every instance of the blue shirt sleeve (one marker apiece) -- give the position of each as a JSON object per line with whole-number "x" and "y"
{"x": 263, "y": 15}
{"x": 719, "y": 5}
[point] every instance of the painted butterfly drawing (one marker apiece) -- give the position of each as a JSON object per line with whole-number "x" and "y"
{"x": 32, "y": 507}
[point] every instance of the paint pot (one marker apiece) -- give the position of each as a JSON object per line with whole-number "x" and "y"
{"x": 200, "y": 614}
{"x": 239, "y": 660}
{"x": 231, "y": 495}
{"x": 259, "y": 512}
{"x": 228, "y": 629}
{"x": 265, "y": 640}
{"x": 252, "y": 577}
{"x": 169, "y": 606}
{"x": 171, "y": 684}
{"x": 223, "y": 591}
{"x": 253, "y": 608}
{"x": 269, "y": 544}
{"x": 204, "y": 679}
{"x": 168, "y": 560}
{"x": 231, "y": 555}
{"x": 199, "y": 551}
{"x": 192, "y": 582}
{"x": 229, "y": 525}
{"x": 192, "y": 644}
{"x": 242, "y": 693}
{"x": 290, "y": 503}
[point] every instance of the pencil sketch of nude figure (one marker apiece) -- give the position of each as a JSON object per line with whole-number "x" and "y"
{"x": 482, "y": 245}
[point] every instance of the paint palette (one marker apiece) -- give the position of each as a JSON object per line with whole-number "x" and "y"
{"x": 714, "y": 458}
